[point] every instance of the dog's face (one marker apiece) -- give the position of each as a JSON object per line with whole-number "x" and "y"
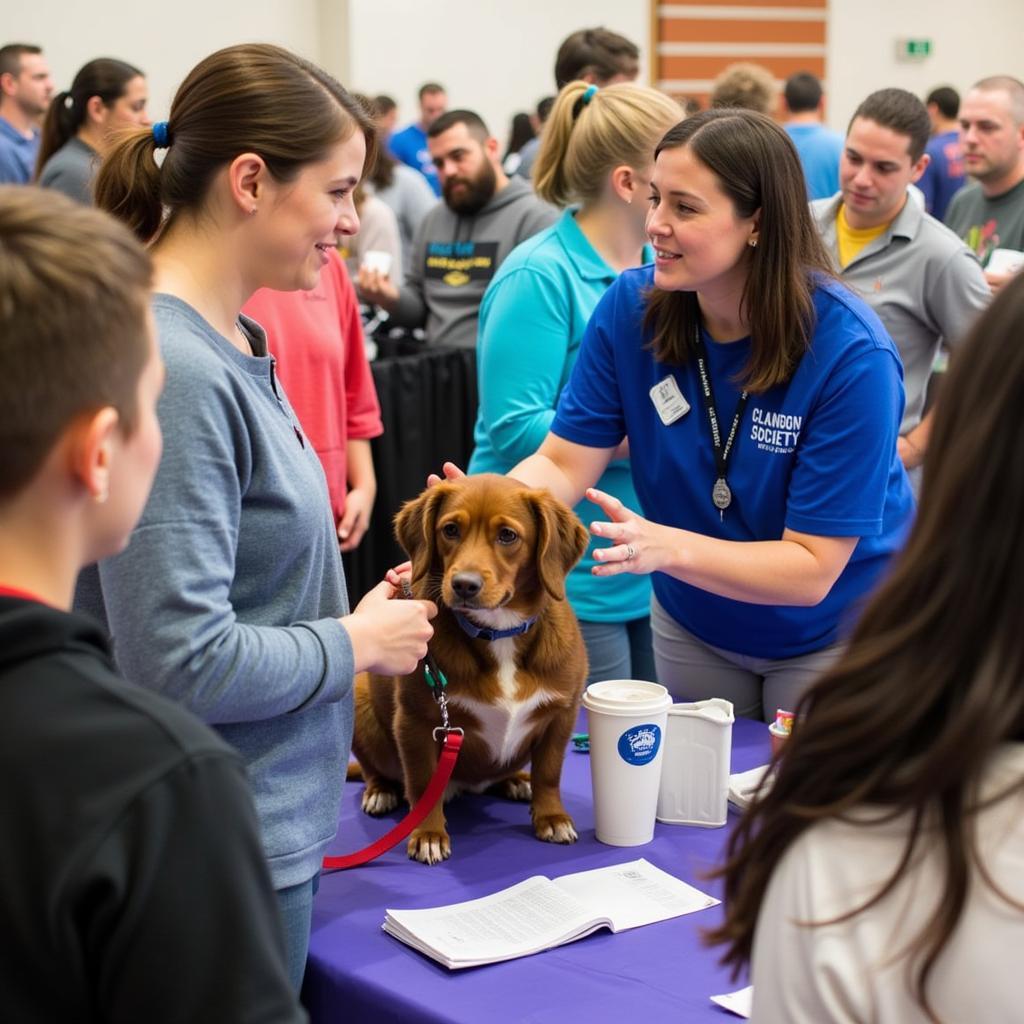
{"x": 487, "y": 542}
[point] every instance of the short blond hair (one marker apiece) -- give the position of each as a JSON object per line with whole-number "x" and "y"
{"x": 74, "y": 289}
{"x": 747, "y": 86}
{"x": 585, "y": 138}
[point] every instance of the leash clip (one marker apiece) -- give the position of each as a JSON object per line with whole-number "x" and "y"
{"x": 447, "y": 730}
{"x": 436, "y": 680}
{"x": 442, "y": 703}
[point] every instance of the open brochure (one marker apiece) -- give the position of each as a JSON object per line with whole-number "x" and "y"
{"x": 541, "y": 913}
{"x": 744, "y": 785}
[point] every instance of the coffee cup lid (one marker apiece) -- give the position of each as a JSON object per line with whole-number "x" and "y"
{"x": 626, "y": 697}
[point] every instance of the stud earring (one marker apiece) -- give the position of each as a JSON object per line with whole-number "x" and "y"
{"x": 752, "y": 242}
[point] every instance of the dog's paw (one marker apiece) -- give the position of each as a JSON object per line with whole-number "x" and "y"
{"x": 429, "y": 847}
{"x": 379, "y": 799}
{"x": 555, "y": 828}
{"x": 515, "y": 787}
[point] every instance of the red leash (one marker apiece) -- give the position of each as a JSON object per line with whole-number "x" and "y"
{"x": 435, "y": 788}
{"x": 425, "y": 804}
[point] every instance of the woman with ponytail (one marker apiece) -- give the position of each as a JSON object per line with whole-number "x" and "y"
{"x": 595, "y": 162}
{"x": 106, "y": 96}
{"x": 230, "y": 597}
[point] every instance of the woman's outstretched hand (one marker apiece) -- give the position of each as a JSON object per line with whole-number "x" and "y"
{"x": 451, "y": 472}
{"x": 638, "y": 545}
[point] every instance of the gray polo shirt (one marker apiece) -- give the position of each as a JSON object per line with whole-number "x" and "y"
{"x": 921, "y": 280}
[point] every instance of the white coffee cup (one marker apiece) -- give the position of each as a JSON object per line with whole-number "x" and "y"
{"x": 695, "y": 773}
{"x": 377, "y": 259}
{"x": 627, "y": 727}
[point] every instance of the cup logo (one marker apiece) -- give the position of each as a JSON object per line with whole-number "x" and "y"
{"x": 640, "y": 744}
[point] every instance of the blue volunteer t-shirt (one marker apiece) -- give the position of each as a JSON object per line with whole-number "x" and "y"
{"x": 816, "y": 455}
{"x": 410, "y": 146}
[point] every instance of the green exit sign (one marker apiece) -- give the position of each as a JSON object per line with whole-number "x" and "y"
{"x": 913, "y": 49}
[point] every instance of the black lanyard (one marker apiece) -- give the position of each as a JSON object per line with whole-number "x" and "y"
{"x": 721, "y": 495}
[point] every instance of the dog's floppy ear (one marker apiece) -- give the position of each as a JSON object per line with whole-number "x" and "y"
{"x": 561, "y": 541}
{"x": 414, "y": 528}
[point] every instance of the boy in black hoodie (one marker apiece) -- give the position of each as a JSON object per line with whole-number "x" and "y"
{"x": 132, "y": 883}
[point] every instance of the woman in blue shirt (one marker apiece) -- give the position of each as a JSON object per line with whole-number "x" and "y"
{"x": 597, "y": 153}
{"x": 761, "y": 401}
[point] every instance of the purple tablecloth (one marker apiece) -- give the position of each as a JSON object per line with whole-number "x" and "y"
{"x": 660, "y": 972}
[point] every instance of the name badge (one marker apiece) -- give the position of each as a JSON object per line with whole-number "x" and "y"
{"x": 668, "y": 400}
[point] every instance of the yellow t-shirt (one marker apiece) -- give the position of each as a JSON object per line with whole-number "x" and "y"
{"x": 850, "y": 241}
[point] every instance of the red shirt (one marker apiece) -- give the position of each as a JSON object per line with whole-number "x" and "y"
{"x": 317, "y": 339}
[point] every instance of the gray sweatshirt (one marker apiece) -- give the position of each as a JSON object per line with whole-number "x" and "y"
{"x": 227, "y": 595}
{"x": 454, "y": 259}
{"x": 71, "y": 169}
{"x": 411, "y": 199}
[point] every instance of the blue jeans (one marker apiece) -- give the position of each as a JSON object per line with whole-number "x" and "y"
{"x": 296, "y": 906}
{"x": 619, "y": 650}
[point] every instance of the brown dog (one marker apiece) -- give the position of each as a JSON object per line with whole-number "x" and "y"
{"x": 494, "y": 554}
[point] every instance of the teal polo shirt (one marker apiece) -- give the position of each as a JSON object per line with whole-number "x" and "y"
{"x": 532, "y": 320}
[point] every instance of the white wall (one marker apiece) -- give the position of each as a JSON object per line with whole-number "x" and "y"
{"x": 163, "y": 39}
{"x": 494, "y": 56}
{"x": 969, "y": 41}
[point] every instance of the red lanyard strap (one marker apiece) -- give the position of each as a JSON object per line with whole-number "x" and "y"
{"x": 431, "y": 795}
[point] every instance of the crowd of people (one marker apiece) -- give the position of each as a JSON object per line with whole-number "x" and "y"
{"x": 713, "y": 332}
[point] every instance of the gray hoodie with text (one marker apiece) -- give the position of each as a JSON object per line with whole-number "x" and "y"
{"x": 454, "y": 258}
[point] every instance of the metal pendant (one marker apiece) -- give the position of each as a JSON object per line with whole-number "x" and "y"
{"x": 721, "y": 495}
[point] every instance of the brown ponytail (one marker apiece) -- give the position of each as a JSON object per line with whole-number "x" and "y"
{"x": 251, "y": 98}
{"x": 104, "y": 77}
{"x": 128, "y": 183}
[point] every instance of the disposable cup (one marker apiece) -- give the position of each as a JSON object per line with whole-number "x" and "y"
{"x": 627, "y": 726}
{"x": 777, "y": 737}
{"x": 695, "y": 773}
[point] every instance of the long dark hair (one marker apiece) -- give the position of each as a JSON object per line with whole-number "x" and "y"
{"x": 104, "y": 77}
{"x": 758, "y": 169}
{"x": 519, "y": 134}
{"x": 253, "y": 97}
{"x": 380, "y": 171}
{"x": 933, "y": 680}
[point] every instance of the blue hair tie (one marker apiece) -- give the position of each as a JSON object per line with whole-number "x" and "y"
{"x": 583, "y": 100}
{"x": 160, "y": 136}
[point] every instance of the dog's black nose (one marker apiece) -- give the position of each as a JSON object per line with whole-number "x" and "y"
{"x": 467, "y": 585}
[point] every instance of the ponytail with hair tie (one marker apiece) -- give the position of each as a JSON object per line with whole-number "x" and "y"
{"x": 585, "y": 98}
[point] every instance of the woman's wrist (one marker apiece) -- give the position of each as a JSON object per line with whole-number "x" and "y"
{"x": 678, "y": 558}
{"x": 911, "y": 455}
{"x": 363, "y": 639}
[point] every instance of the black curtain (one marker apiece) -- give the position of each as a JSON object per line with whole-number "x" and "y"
{"x": 428, "y": 402}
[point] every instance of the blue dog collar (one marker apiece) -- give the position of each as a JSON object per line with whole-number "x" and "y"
{"x": 485, "y": 633}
